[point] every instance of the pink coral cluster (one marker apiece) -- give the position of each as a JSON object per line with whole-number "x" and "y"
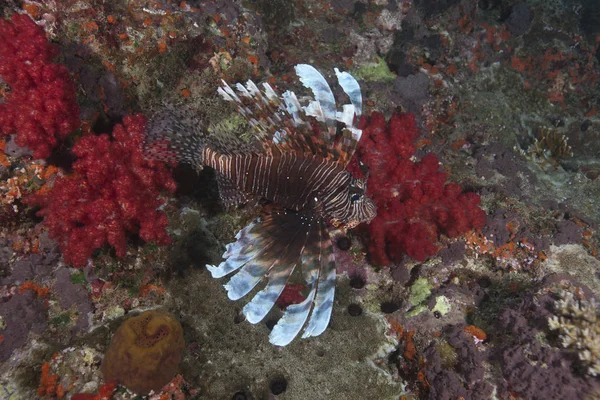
{"x": 414, "y": 202}
{"x": 114, "y": 190}
{"x": 40, "y": 106}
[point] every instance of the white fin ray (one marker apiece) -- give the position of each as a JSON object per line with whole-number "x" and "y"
{"x": 227, "y": 92}
{"x": 269, "y": 92}
{"x": 321, "y": 313}
{"x": 267, "y": 260}
{"x": 252, "y": 88}
{"x": 323, "y": 107}
{"x": 293, "y": 107}
{"x": 281, "y": 121}
{"x": 278, "y": 277}
{"x": 351, "y": 88}
{"x": 246, "y": 247}
{"x": 295, "y": 243}
{"x": 263, "y": 301}
{"x": 314, "y": 109}
{"x": 313, "y": 80}
{"x": 291, "y": 323}
{"x": 295, "y": 316}
{"x": 347, "y": 115}
{"x": 246, "y": 279}
{"x": 242, "y": 90}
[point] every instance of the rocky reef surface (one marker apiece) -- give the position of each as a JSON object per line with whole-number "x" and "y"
{"x": 495, "y": 101}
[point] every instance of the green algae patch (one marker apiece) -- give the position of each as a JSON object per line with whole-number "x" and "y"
{"x": 448, "y": 355}
{"x": 416, "y": 310}
{"x": 377, "y": 71}
{"x": 442, "y": 305}
{"x": 10, "y": 391}
{"x": 419, "y": 291}
{"x": 78, "y": 278}
{"x": 234, "y": 124}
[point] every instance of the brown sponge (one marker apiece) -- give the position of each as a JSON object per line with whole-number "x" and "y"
{"x": 144, "y": 352}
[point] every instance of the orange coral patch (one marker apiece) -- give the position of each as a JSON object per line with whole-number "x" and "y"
{"x": 41, "y": 291}
{"x": 409, "y": 349}
{"x": 91, "y": 26}
{"x": 33, "y": 10}
{"x": 48, "y": 381}
{"x": 144, "y": 290}
{"x": 4, "y": 160}
{"x": 456, "y": 145}
{"x": 451, "y": 70}
{"x": 476, "y": 332}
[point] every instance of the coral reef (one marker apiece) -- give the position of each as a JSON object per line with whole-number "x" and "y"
{"x": 40, "y": 107}
{"x": 113, "y": 191}
{"x": 477, "y": 82}
{"x": 578, "y": 324}
{"x": 551, "y": 145}
{"x": 25, "y": 180}
{"x": 144, "y": 352}
{"x": 415, "y": 205}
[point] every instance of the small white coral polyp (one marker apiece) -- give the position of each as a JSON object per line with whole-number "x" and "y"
{"x": 578, "y": 324}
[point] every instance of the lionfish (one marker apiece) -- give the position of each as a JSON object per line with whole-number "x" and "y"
{"x": 297, "y": 162}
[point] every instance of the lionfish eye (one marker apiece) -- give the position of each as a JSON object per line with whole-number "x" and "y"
{"x": 355, "y": 197}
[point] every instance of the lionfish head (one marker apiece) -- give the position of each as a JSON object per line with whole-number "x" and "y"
{"x": 362, "y": 208}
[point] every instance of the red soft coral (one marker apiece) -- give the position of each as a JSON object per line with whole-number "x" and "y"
{"x": 414, "y": 203}
{"x": 114, "y": 190}
{"x": 40, "y": 107}
{"x": 105, "y": 392}
{"x": 291, "y": 294}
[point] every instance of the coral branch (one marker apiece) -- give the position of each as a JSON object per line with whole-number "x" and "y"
{"x": 114, "y": 190}
{"x": 415, "y": 204}
{"x": 40, "y": 107}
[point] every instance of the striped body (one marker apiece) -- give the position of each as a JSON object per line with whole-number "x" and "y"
{"x": 290, "y": 179}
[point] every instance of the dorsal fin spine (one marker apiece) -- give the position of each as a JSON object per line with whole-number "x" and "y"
{"x": 313, "y": 80}
{"x": 271, "y": 95}
{"x": 293, "y": 107}
{"x": 352, "y": 89}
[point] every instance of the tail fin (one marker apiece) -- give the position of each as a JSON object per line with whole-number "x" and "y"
{"x": 175, "y": 135}
{"x": 178, "y": 135}
{"x": 273, "y": 247}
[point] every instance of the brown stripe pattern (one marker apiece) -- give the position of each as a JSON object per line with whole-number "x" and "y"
{"x": 289, "y": 179}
